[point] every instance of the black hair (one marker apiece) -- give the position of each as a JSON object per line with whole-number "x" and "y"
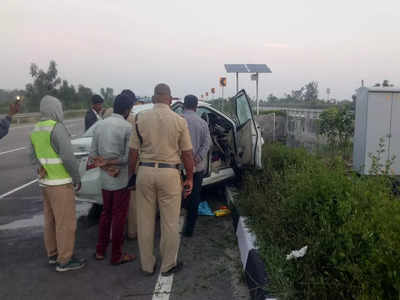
{"x": 130, "y": 94}
{"x": 97, "y": 99}
{"x": 190, "y": 102}
{"x": 121, "y": 103}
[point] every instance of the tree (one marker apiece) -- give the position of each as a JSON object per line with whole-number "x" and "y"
{"x": 83, "y": 96}
{"x": 67, "y": 94}
{"x": 272, "y": 99}
{"x": 108, "y": 96}
{"x": 311, "y": 92}
{"x": 298, "y": 95}
{"x": 44, "y": 83}
{"x": 337, "y": 124}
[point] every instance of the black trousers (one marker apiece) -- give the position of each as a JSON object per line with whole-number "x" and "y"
{"x": 192, "y": 204}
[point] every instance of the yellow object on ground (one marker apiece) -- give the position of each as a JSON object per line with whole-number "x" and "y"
{"x": 222, "y": 212}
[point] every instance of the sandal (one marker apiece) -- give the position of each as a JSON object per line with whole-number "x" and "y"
{"x": 98, "y": 256}
{"x": 125, "y": 258}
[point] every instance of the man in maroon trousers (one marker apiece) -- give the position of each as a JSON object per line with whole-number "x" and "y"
{"x": 110, "y": 149}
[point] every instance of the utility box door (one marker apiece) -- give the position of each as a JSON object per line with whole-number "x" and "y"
{"x": 378, "y": 125}
{"x": 377, "y": 117}
{"x": 394, "y": 149}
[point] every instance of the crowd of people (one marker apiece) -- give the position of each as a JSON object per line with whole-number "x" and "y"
{"x": 140, "y": 160}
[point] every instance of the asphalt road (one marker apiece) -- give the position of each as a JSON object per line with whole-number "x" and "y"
{"x": 212, "y": 267}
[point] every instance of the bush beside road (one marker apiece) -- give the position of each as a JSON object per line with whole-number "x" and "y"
{"x": 350, "y": 224}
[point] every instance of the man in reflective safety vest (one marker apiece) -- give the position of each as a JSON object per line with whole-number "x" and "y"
{"x": 51, "y": 152}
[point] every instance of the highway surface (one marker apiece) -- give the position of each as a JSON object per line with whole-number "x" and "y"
{"x": 212, "y": 269}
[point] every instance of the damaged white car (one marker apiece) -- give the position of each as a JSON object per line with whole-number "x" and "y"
{"x": 236, "y": 143}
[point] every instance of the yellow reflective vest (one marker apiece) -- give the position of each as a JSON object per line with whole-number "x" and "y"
{"x": 56, "y": 174}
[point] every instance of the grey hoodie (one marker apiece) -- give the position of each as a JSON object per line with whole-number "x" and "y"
{"x": 51, "y": 109}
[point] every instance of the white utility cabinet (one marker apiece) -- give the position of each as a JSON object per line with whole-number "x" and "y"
{"x": 377, "y": 116}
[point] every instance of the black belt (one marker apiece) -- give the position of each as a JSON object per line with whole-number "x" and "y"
{"x": 159, "y": 165}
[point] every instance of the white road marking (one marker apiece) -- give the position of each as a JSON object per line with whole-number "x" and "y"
{"x": 18, "y": 189}
{"x": 163, "y": 287}
{"x": 13, "y": 150}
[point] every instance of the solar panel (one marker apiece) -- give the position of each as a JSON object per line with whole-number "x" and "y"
{"x": 258, "y": 68}
{"x": 236, "y": 68}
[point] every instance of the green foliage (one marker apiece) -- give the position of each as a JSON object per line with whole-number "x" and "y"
{"x": 350, "y": 224}
{"x": 380, "y": 166}
{"x": 277, "y": 112}
{"x": 48, "y": 83}
{"x": 44, "y": 83}
{"x": 311, "y": 92}
{"x": 337, "y": 124}
{"x": 108, "y": 96}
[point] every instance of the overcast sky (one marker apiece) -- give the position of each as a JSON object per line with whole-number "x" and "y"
{"x": 136, "y": 44}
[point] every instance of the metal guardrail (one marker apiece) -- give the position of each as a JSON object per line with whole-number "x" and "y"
{"x": 312, "y": 113}
{"x": 19, "y": 117}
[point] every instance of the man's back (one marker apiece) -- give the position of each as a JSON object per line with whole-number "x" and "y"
{"x": 111, "y": 141}
{"x": 200, "y": 136}
{"x": 164, "y": 134}
{"x": 112, "y": 134}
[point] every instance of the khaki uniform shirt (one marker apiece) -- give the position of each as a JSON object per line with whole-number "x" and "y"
{"x": 165, "y": 135}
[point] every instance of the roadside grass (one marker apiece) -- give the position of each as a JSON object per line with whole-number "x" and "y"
{"x": 350, "y": 223}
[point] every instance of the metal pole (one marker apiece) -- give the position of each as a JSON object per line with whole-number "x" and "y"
{"x": 258, "y": 110}
{"x": 273, "y": 133}
{"x": 237, "y": 82}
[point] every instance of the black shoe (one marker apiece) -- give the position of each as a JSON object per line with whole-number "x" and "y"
{"x": 73, "y": 264}
{"x": 176, "y": 269}
{"x": 52, "y": 260}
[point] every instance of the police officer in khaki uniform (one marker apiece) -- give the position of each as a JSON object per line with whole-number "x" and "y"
{"x": 164, "y": 142}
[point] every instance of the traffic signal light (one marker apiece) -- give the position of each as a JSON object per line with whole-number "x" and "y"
{"x": 222, "y": 81}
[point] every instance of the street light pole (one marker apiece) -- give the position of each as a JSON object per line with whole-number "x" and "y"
{"x": 237, "y": 82}
{"x": 258, "y": 109}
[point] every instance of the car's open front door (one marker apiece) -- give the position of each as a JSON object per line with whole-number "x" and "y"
{"x": 248, "y": 136}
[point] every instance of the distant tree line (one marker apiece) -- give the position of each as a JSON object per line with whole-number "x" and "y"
{"x": 306, "y": 96}
{"x": 49, "y": 83}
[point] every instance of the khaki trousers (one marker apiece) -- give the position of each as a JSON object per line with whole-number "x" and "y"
{"x": 132, "y": 220}
{"x": 59, "y": 221}
{"x": 163, "y": 187}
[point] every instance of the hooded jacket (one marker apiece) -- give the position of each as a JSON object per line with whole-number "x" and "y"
{"x": 51, "y": 109}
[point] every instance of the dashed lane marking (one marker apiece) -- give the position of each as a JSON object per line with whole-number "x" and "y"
{"x": 163, "y": 287}
{"x": 18, "y": 189}
{"x": 13, "y": 150}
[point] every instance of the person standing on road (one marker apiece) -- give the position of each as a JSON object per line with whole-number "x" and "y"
{"x": 110, "y": 151}
{"x": 51, "y": 152}
{"x": 132, "y": 220}
{"x": 163, "y": 139}
{"x": 201, "y": 141}
{"x": 93, "y": 114}
{"x": 5, "y": 123}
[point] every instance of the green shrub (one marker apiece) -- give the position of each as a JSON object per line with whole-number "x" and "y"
{"x": 350, "y": 224}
